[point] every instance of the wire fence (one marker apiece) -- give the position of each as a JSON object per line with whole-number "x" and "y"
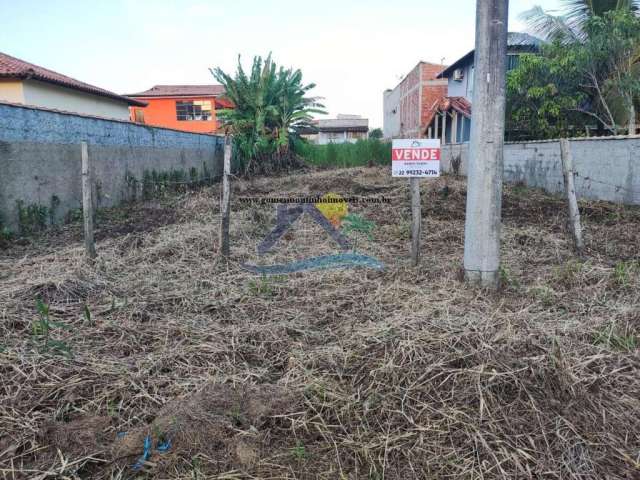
{"x": 209, "y": 180}
{"x": 194, "y": 182}
{"x": 159, "y": 184}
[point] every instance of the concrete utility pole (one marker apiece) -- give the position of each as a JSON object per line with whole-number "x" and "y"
{"x": 484, "y": 184}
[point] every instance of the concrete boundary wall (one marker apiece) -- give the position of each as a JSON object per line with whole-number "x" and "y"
{"x": 608, "y": 168}
{"x": 40, "y": 162}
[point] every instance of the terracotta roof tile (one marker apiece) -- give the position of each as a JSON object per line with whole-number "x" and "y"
{"x": 11, "y": 67}
{"x": 460, "y": 104}
{"x": 181, "y": 91}
{"x": 432, "y": 95}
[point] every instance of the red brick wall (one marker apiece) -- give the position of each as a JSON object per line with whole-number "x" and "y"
{"x": 431, "y": 96}
{"x": 416, "y": 103}
{"x": 410, "y": 102}
{"x": 430, "y": 71}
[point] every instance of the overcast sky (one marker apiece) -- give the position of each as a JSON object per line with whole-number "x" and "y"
{"x": 352, "y": 49}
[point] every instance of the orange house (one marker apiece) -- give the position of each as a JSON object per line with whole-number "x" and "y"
{"x": 191, "y": 108}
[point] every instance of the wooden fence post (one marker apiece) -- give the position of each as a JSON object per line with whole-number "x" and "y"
{"x": 87, "y": 202}
{"x": 225, "y": 199}
{"x": 570, "y": 190}
{"x": 416, "y": 220}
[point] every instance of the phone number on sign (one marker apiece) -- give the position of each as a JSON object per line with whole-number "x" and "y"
{"x": 417, "y": 172}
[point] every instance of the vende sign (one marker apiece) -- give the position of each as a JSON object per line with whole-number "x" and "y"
{"x": 418, "y": 157}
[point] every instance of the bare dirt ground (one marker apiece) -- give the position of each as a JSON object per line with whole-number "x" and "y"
{"x": 345, "y": 374}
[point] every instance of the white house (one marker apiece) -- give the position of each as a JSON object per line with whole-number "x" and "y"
{"x": 25, "y": 83}
{"x": 343, "y": 129}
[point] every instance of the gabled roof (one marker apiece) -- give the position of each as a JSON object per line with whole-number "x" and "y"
{"x": 444, "y": 104}
{"x": 11, "y": 67}
{"x": 459, "y": 104}
{"x": 516, "y": 42}
{"x": 181, "y": 91}
{"x": 461, "y": 62}
{"x": 521, "y": 39}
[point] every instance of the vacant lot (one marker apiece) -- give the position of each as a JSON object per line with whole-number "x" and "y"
{"x": 398, "y": 374}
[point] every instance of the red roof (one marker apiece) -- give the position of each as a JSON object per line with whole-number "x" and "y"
{"x": 11, "y": 67}
{"x": 444, "y": 104}
{"x": 460, "y": 104}
{"x": 432, "y": 95}
{"x": 181, "y": 91}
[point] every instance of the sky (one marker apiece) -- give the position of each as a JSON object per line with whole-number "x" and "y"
{"x": 351, "y": 49}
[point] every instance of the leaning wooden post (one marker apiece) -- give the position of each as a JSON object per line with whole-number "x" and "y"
{"x": 416, "y": 220}
{"x": 225, "y": 199}
{"x": 87, "y": 202}
{"x": 570, "y": 190}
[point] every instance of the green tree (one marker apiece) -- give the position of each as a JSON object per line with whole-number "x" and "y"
{"x": 376, "y": 133}
{"x": 608, "y": 61}
{"x": 593, "y": 77}
{"x": 544, "y": 96}
{"x": 270, "y": 104}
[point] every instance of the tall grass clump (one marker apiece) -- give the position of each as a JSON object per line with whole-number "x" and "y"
{"x": 362, "y": 153}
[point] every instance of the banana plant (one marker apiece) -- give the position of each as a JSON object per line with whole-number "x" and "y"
{"x": 270, "y": 105}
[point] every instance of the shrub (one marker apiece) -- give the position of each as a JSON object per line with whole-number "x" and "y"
{"x": 362, "y": 153}
{"x": 6, "y": 235}
{"x": 32, "y": 218}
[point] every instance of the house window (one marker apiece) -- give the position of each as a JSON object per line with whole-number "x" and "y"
{"x": 193, "y": 110}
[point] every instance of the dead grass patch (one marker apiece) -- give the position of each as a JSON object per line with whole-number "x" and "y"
{"x": 395, "y": 374}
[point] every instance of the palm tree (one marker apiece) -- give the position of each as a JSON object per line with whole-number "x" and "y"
{"x": 569, "y": 26}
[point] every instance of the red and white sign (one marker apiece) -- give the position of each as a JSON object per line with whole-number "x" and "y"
{"x": 418, "y": 157}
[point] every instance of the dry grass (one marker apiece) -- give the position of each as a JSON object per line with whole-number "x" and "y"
{"x": 398, "y": 374}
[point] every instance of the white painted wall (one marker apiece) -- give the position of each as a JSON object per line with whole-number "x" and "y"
{"x": 325, "y": 138}
{"x": 606, "y": 167}
{"x": 46, "y": 95}
{"x": 391, "y": 118}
